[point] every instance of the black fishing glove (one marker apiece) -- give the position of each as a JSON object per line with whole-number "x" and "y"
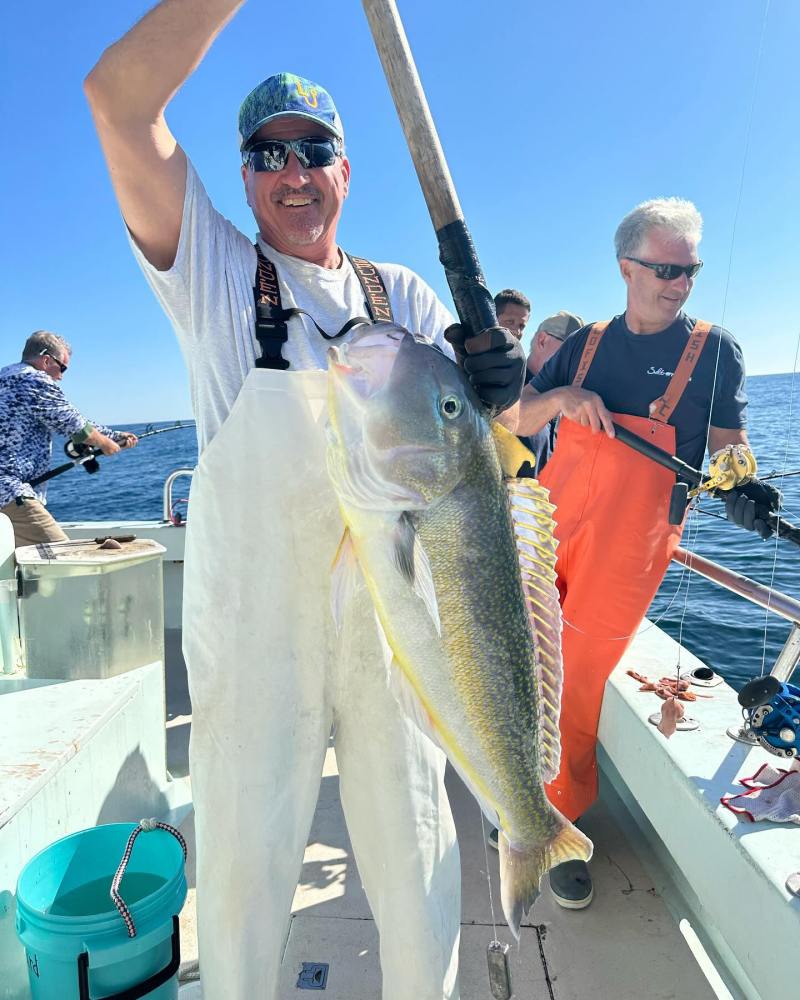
{"x": 750, "y": 505}
{"x": 493, "y": 361}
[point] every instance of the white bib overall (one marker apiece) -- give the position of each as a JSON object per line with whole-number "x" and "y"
{"x": 269, "y": 678}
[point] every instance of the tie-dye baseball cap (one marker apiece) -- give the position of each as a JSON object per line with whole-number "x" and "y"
{"x": 282, "y": 95}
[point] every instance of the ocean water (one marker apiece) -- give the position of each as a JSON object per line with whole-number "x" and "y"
{"x": 724, "y": 630}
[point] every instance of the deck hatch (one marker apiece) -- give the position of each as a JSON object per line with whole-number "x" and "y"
{"x": 313, "y": 976}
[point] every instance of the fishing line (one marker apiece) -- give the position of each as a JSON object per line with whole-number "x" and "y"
{"x": 790, "y": 512}
{"x": 737, "y": 209}
{"x": 488, "y": 873}
{"x": 691, "y": 548}
{"x": 775, "y": 548}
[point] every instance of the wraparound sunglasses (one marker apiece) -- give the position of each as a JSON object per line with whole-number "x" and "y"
{"x": 669, "y": 272}
{"x": 271, "y": 154}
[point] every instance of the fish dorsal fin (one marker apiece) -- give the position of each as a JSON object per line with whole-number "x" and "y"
{"x": 412, "y": 561}
{"x": 532, "y": 515}
{"x": 511, "y": 451}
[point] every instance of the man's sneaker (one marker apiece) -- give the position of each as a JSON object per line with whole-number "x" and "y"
{"x": 491, "y": 840}
{"x": 571, "y": 885}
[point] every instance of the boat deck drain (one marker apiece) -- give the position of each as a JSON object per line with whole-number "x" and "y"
{"x": 313, "y": 976}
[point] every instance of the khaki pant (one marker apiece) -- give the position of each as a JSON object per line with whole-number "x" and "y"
{"x": 32, "y": 523}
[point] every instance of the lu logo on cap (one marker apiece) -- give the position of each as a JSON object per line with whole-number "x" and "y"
{"x": 284, "y": 95}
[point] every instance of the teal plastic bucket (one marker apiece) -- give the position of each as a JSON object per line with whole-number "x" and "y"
{"x": 77, "y": 944}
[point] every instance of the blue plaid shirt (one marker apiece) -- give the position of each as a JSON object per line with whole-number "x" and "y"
{"x": 32, "y": 408}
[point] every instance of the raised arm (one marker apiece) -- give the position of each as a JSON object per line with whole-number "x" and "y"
{"x": 128, "y": 91}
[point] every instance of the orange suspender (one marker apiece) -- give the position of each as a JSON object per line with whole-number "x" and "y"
{"x": 592, "y": 343}
{"x": 662, "y": 408}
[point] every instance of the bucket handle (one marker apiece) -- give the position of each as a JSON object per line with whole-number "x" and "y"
{"x": 134, "y": 992}
{"x": 145, "y": 826}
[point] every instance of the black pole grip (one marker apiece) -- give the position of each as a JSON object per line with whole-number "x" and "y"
{"x": 658, "y": 455}
{"x": 473, "y": 300}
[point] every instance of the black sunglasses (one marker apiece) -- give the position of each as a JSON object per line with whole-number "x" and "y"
{"x": 271, "y": 154}
{"x": 47, "y": 354}
{"x": 669, "y": 272}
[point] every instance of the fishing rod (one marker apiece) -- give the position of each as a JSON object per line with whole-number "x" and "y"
{"x": 779, "y": 475}
{"x": 694, "y": 477}
{"x": 87, "y": 456}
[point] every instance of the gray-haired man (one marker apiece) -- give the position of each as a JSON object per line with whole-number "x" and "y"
{"x": 673, "y": 380}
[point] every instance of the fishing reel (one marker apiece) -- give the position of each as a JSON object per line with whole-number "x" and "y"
{"x": 77, "y": 453}
{"x": 772, "y": 711}
{"x": 731, "y": 466}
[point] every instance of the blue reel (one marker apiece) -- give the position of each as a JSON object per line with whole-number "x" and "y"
{"x": 772, "y": 710}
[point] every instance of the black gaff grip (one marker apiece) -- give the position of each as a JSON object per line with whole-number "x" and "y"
{"x": 473, "y": 300}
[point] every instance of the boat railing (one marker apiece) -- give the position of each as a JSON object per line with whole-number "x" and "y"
{"x": 765, "y": 597}
{"x": 170, "y": 480}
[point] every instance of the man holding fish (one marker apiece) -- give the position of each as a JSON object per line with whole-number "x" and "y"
{"x": 271, "y": 673}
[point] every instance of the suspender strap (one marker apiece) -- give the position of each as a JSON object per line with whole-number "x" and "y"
{"x": 662, "y": 408}
{"x": 271, "y": 330}
{"x": 378, "y": 304}
{"x": 271, "y": 318}
{"x": 590, "y": 349}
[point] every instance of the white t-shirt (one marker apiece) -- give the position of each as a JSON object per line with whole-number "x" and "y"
{"x": 208, "y": 296}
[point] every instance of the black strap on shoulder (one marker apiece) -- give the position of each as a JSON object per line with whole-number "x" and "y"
{"x": 271, "y": 318}
{"x": 271, "y": 330}
{"x": 378, "y": 304}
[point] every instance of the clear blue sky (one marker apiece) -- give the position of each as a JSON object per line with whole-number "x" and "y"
{"x": 556, "y": 120}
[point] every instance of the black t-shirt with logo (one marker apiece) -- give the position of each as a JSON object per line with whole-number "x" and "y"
{"x": 630, "y": 371}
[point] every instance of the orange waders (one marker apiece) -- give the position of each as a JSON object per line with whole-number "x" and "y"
{"x": 615, "y": 544}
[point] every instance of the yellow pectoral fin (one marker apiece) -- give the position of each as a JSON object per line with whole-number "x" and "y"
{"x": 343, "y": 577}
{"x": 511, "y": 451}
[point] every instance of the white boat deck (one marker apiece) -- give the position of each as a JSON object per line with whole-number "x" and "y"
{"x": 625, "y": 946}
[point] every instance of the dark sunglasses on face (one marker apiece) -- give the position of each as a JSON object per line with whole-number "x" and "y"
{"x": 669, "y": 272}
{"x": 271, "y": 154}
{"x": 47, "y": 354}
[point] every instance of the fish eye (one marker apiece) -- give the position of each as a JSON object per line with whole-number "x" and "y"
{"x": 451, "y": 406}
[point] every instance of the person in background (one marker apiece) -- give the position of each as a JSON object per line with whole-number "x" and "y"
{"x": 675, "y": 381}
{"x": 513, "y": 311}
{"x": 262, "y": 500}
{"x": 32, "y": 408}
{"x": 550, "y": 335}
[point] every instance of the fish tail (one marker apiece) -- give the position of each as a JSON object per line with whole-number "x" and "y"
{"x": 522, "y": 867}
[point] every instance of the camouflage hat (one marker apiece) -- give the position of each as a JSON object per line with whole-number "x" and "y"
{"x": 560, "y": 326}
{"x": 285, "y": 95}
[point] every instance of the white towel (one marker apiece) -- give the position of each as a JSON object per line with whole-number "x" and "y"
{"x": 773, "y": 793}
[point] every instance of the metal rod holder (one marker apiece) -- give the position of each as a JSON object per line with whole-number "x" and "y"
{"x": 788, "y": 658}
{"x": 168, "y": 489}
